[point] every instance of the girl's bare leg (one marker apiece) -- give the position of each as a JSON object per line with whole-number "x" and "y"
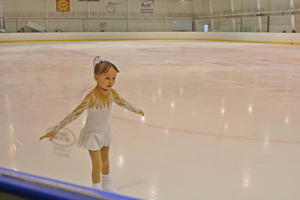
{"x": 105, "y": 160}
{"x": 106, "y": 179}
{"x": 96, "y": 166}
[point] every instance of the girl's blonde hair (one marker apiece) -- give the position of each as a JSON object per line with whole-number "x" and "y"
{"x": 103, "y": 67}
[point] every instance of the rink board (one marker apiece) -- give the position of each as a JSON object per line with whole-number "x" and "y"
{"x": 20, "y": 186}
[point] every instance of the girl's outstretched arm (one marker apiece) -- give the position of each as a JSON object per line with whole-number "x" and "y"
{"x": 69, "y": 118}
{"x": 123, "y": 103}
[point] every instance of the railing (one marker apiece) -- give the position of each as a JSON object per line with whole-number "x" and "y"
{"x": 20, "y": 185}
{"x": 283, "y": 10}
{"x": 80, "y": 14}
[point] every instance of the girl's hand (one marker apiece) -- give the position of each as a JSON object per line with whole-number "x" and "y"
{"x": 141, "y": 112}
{"x": 49, "y": 135}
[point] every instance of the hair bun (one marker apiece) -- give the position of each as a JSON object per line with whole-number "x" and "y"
{"x": 98, "y": 60}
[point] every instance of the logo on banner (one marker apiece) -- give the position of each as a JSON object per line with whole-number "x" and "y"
{"x": 111, "y": 7}
{"x": 146, "y": 6}
{"x": 62, "y": 5}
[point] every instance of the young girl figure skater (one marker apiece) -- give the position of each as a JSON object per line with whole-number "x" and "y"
{"x": 95, "y": 135}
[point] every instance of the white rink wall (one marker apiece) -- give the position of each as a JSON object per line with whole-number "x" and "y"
{"x": 165, "y": 15}
{"x": 229, "y": 36}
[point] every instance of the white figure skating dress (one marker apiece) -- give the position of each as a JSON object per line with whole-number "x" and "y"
{"x": 96, "y": 132}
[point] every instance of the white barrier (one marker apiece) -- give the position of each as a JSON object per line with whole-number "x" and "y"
{"x": 283, "y": 38}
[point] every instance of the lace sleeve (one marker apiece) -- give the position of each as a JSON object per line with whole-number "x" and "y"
{"x": 72, "y": 116}
{"x": 123, "y": 103}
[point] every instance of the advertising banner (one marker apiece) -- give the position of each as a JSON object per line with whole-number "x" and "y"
{"x": 62, "y": 5}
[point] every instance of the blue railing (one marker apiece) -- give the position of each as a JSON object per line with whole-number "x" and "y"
{"x": 20, "y": 185}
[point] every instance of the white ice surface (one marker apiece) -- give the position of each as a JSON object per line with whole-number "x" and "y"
{"x": 222, "y": 119}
